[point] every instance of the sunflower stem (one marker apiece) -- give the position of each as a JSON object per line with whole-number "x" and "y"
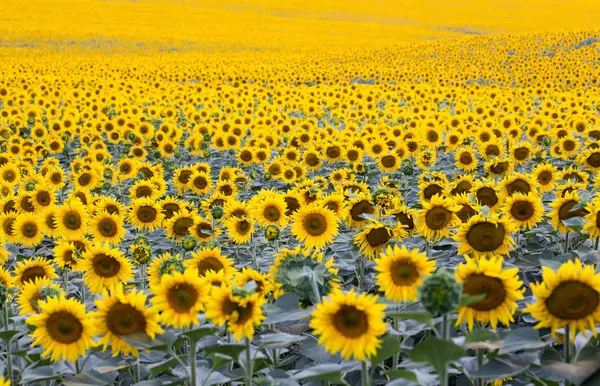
{"x": 192, "y": 362}
{"x": 366, "y": 380}
{"x": 567, "y": 242}
{"x": 396, "y": 357}
{"x": 315, "y": 289}
{"x": 445, "y": 327}
{"x": 361, "y": 272}
{"x": 567, "y": 348}
{"x": 480, "y": 356}
{"x": 597, "y": 242}
{"x": 249, "y": 365}
{"x": 9, "y": 368}
{"x": 427, "y": 248}
{"x": 66, "y": 280}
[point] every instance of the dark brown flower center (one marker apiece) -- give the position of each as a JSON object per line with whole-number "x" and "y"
{"x": 522, "y": 210}
{"x": 572, "y": 300}
{"x": 106, "y": 266}
{"x": 518, "y": 186}
{"x": 403, "y": 273}
{"x": 123, "y": 319}
{"x": 487, "y": 197}
{"x": 378, "y": 236}
{"x": 32, "y": 273}
{"x": 437, "y": 218}
{"x": 486, "y": 236}
{"x": 315, "y": 224}
{"x": 64, "y": 327}
{"x": 209, "y": 263}
{"x": 182, "y": 297}
{"x": 492, "y": 287}
{"x": 351, "y": 322}
{"x": 146, "y": 214}
{"x": 72, "y": 220}
{"x": 107, "y": 227}
{"x": 181, "y": 226}
{"x": 361, "y": 207}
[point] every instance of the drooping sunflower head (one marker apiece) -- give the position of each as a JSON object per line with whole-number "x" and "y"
{"x": 356, "y": 207}
{"x": 401, "y": 272}
{"x": 34, "y": 268}
{"x": 207, "y": 259}
{"x": 350, "y": 324}
{"x": 566, "y": 207}
{"x": 502, "y": 289}
{"x": 485, "y": 236}
{"x": 569, "y": 296}
{"x": 373, "y": 238}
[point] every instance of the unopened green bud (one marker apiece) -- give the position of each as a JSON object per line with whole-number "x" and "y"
{"x": 440, "y": 293}
{"x": 189, "y": 243}
{"x": 272, "y": 232}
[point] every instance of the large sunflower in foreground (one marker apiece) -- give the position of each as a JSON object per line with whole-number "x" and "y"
{"x": 104, "y": 267}
{"x": 122, "y": 313}
{"x": 240, "y": 313}
{"x": 524, "y": 210}
{"x": 62, "y": 329}
{"x": 401, "y": 272}
{"x": 180, "y": 297}
{"x": 570, "y": 296}
{"x": 485, "y": 236}
{"x": 28, "y": 229}
{"x": 501, "y": 287}
{"x": 375, "y": 236}
{"x": 315, "y": 226}
{"x": 437, "y": 217}
{"x": 349, "y": 323}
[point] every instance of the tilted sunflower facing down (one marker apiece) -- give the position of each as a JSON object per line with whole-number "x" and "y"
{"x": 502, "y": 289}
{"x": 437, "y": 217}
{"x": 62, "y": 329}
{"x": 315, "y": 226}
{"x": 241, "y": 312}
{"x": 485, "y": 236}
{"x": 567, "y": 297}
{"x": 401, "y": 272}
{"x": 180, "y": 297}
{"x": 122, "y": 313}
{"x": 349, "y": 323}
{"x": 375, "y": 236}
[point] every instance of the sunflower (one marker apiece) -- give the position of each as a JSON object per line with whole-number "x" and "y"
{"x": 334, "y": 202}
{"x": 200, "y": 182}
{"x": 263, "y": 284}
{"x": 521, "y": 152}
{"x": 72, "y": 219}
{"x": 206, "y": 259}
{"x": 485, "y": 236}
{"x": 179, "y": 225}
{"x": 65, "y": 254}
{"x": 239, "y": 229}
{"x": 564, "y": 208}
{"x": 315, "y": 226}
{"x": 356, "y": 207}
{"x": 122, "y": 313}
{"x": 270, "y": 211}
{"x": 32, "y": 292}
{"x": 180, "y": 297}
{"x": 546, "y": 175}
{"x": 499, "y": 167}
{"x": 389, "y": 162}
{"x": 33, "y": 268}
{"x": 145, "y": 214}
{"x": 428, "y": 189}
{"x": 171, "y": 205}
{"x": 592, "y": 218}
{"x": 465, "y": 159}
{"x": 404, "y": 216}
{"x": 468, "y": 207}
{"x": 569, "y": 145}
{"x": 104, "y": 267}
{"x": 502, "y": 289}
{"x": 437, "y": 217}
{"x": 28, "y": 229}
{"x": 487, "y": 194}
{"x": 62, "y": 328}
{"x": 568, "y": 297}
{"x": 519, "y": 183}
{"x": 43, "y": 196}
{"x": 524, "y": 210}
{"x": 349, "y": 323}
{"x": 165, "y": 264}
{"x": 240, "y": 313}
{"x": 48, "y": 219}
{"x": 401, "y": 272}
{"x": 107, "y": 228}
{"x": 375, "y": 236}
{"x": 109, "y": 204}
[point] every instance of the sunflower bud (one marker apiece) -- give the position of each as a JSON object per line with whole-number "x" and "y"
{"x": 440, "y": 293}
{"x": 207, "y": 137}
{"x": 142, "y": 240}
{"x": 212, "y": 244}
{"x": 3, "y": 295}
{"x": 205, "y": 154}
{"x": 547, "y": 141}
{"x": 131, "y": 137}
{"x": 271, "y": 232}
{"x": 170, "y": 266}
{"x": 141, "y": 254}
{"x": 253, "y": 174}
{"x": 106, "y": 185}
{"x": 156, "y": 154}
{"x": 267, "y": 176}
{"x": 189, "y": 242}
{"x": 49, "y": 292}
{"x": 107, "y": 174}
{"x": 217, "y": 212}
{"x": 30, "y": 186}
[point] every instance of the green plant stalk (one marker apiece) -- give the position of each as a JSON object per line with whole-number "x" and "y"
{"x": 9, "y": 368}
{"x": 66, "y": 280}
{"x": 361, "y": 272}
{"x": 597, "y": 243}
{"x": 567, "y": 348}
{"x": 396, "y": 357}
{"x": 567, "y": 242}
{"x": 480, "y": 355}
{"x": 249, "y": 364}
{"x": 445, "y": 336}
{"x": 315, "y": 289}
{"x": 366, "y": 379}
{"x": 193, "y": 363}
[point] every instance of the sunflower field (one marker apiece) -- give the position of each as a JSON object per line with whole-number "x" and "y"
{"x": 312, "y": 193}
